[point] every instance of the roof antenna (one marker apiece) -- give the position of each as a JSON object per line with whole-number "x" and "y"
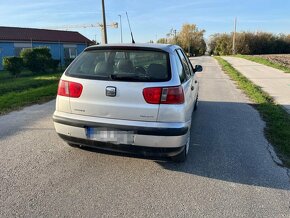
{"x": 130, "y": 28}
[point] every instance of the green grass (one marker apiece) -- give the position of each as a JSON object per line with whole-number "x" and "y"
{"x": 16, "y": 93}
{"x": 266, "y": 62}
{"x": 5, "y": 75}
{"x": 22, "y": 84}
{"x": 277, "y": 120}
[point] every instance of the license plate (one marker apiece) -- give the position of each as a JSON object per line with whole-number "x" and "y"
{"x": 109, "y": 135}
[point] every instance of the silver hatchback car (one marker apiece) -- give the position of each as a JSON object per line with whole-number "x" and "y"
{"x": 129, "y": 97}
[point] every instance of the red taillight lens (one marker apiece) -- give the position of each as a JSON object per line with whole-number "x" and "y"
{"x": 164, "y": 95}
{"x": 69, "y": 89}
{"x": 75, "y": 89}
{"x": 152, "y": 95}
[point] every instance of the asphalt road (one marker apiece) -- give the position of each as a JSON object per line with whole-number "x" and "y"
{"x": 230, "y": 172}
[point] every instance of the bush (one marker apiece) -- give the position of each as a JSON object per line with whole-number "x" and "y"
{"x": 37, "y": 59}
{"x": 68, "y": 61}
{"x": 53, "y": 65}
{"x": 13, "y": 65}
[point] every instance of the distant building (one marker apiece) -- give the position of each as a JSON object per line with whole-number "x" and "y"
{"x": 62, "y": 44}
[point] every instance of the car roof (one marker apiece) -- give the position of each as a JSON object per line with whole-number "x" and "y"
{"x": 165, "y": 47}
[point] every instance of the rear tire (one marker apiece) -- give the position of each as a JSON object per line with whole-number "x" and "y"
{"x": 180, "y": 158}
{"x": 195, "y": 104}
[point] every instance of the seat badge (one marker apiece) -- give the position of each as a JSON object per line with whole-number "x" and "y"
{"x": 111, "y": 91}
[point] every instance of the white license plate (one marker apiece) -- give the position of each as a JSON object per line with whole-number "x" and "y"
{"x": 109, "y": 135}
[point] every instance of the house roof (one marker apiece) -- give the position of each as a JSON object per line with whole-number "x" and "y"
{"x": 42, "y": 35}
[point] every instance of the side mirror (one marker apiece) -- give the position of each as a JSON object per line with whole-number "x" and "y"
{"x": 198, "y": 68}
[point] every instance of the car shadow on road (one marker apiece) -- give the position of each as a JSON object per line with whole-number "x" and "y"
{"x": 228, "y": 143}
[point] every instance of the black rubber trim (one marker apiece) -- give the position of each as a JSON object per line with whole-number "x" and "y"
{"x": 135, "y": 129}
{"x": 129, "y": 149}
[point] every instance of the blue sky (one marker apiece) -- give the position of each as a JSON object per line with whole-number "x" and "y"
{"x": 149, "y": 19}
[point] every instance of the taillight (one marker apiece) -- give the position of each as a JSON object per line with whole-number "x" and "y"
{"x": 69, "y": 89}
{"x": 164, "y": 95}
{"x": 152, "y": 95}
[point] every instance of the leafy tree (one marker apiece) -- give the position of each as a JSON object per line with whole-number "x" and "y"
{"x": 224, "y": 45}
{"x": 162, "y": 41}
{"x": 190, "y": 38}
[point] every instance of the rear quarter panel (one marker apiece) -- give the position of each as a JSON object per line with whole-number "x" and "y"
{"x": 177, "y": 112}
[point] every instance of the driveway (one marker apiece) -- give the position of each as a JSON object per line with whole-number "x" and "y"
{"x": 230, "y": 171}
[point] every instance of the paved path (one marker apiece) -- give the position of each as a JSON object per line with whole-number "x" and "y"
{"x": 275, "y": 82}
{"x": 229, "y": 172}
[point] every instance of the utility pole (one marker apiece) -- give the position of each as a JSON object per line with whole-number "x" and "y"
{"x": 121, "y": 28}
{"x": 234, "y": 37}
{"x": 104, "y": 39}
{"x": 175, "y": 41}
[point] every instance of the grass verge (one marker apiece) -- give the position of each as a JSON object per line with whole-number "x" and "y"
{"x": 277, "y": 120}
{"x": 265, "y": 62}
{"x": 17, "y": 100}
{"x": 25, "y": 83}
{"x": 16, "y": 93}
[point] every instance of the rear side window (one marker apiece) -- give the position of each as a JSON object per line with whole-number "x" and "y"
{"x": 189, "y": 64}
{"x": 184, "y": 63}
{"x": 123, "y": 65}
{"x": 180, "y": 69}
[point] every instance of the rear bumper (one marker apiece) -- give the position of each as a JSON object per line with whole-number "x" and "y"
{"x": 141, "y": 130}
{"x": 146, "y": 134}
{"x": 128, "y": 149}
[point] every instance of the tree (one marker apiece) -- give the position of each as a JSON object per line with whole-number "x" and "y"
{"x": 223, "y": 45}
{"x": 190, "y": 38}
{"x": 162, "y": 41}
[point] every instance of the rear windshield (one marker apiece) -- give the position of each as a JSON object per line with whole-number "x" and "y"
{"x": 122, "y": 65}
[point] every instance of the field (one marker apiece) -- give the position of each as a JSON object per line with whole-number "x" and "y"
{"x": 283, "y": 59}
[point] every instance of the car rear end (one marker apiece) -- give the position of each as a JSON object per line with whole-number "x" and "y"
{"x": 126, "y": 98}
